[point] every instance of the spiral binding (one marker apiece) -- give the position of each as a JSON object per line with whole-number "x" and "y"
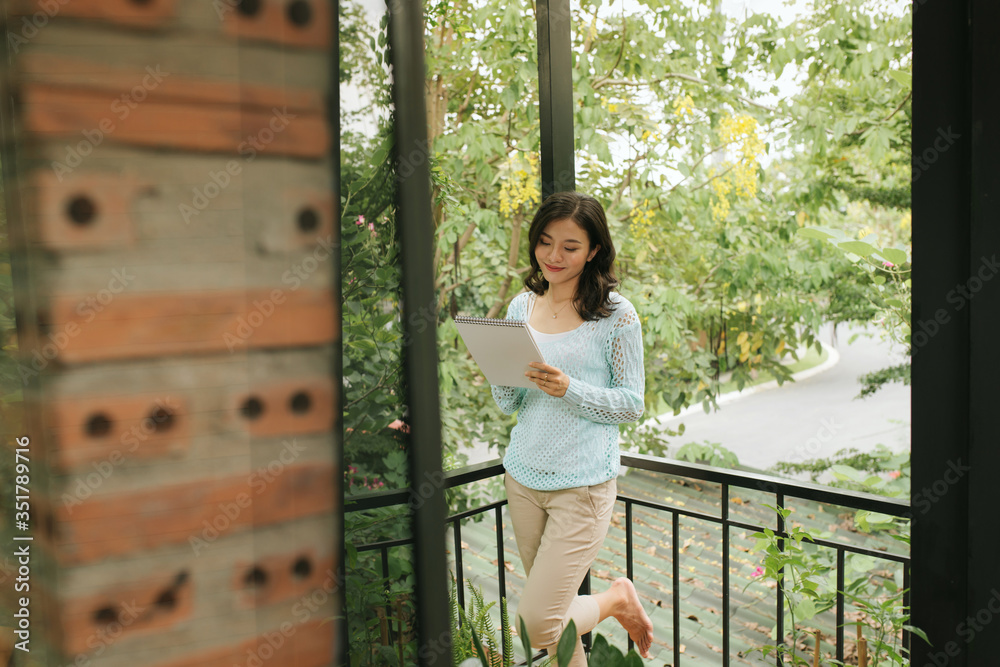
{"x": 489, "y": 321}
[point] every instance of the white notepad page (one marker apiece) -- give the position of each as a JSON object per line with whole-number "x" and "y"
{"x": 502, "y": 348}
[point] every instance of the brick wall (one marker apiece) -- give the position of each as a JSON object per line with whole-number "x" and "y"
{"x": 169, "y": 197}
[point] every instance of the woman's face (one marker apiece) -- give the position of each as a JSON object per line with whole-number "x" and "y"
{"x": 563, "y": 250}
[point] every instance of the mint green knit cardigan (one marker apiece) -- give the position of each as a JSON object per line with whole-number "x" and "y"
{"x": 572, "y": 441}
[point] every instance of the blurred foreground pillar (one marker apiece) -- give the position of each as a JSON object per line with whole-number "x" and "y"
{"x": 174, "y": 249}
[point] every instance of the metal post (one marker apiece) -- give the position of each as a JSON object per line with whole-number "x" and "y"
{"x": 841, "y": 566}
{"x": 675, "y": 553}
{"x": 983, "y": 579}
{"x": 416, "y": 229}
{"x": 725, "y": 575}
{"x": 943, "y": 407}
{"x": 629, "y": 559}
{"x": 780, "y": 592}
{"x": 555, "y": 96}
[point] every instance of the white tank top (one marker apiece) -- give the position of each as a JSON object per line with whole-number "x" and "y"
{"x": 539, "y": 336}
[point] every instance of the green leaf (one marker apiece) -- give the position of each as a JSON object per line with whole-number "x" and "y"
{"x": 508, "y": 98}
{"x": 567, "y": 644}
{"x": 632, "y": 660}
{"x": 478, "y": 645}
{"x": 805, "y": 610}
{"x": 895, "y": 256}
{"x": 602, "y": 653}
{"x": 525, "y": 642}
{"x": 858, "y": 248}
{"x": 813, "y": 233}
{"x": 918, "y": 632}
{"x": 388, "y": 654}
{"x": 904, "y": 79}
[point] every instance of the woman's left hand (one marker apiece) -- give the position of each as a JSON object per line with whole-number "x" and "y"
{"x": 549, "y": 379}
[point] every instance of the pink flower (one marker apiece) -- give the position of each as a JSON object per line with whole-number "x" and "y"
{"x": 400, "y": 425}
{"x": 758, "y": 572}
{"x": 371, "y": 226}
{"x": 361, "y": 220}
{"x": 894, "y": 474}
{"x": 888, "y": 265}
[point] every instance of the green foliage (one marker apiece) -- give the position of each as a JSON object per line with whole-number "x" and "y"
{"x": 872, "y": 382}
{"x": 788, "y": 564}
{"x": 711, "y": 453}
{"x": 601, "y": 653}
{"x": 885, "y": 615}
{"x": 880, "y": 460}
{"x": 706, "y": 235}
{"x": 880, "y": 471}
{"x": 606, "y": 655}
{"x": 889, "y": 270}
{"x": 471, "y": 628}
{"x": 367, "y": 592}
{"x": 807, "y": 576}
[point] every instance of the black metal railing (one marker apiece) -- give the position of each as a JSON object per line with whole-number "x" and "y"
{"x": 783, "y": 490}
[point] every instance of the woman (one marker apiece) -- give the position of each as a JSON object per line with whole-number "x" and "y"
{"x": 563, "y": 456}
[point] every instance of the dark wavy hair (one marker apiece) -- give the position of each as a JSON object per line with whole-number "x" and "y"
{"x": 598, "y": 278}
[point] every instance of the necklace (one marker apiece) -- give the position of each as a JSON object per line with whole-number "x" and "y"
{"x": 555, "y": 313}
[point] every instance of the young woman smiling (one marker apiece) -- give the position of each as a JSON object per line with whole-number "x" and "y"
{"x": 563, "y": 456}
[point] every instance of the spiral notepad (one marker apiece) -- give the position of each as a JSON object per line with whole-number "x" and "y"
{"x": 502, "y": 348}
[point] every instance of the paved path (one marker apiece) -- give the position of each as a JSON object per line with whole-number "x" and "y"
{"x": 813, "y": 417}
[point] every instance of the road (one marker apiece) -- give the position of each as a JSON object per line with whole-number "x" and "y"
{"x": 811, "y": 418}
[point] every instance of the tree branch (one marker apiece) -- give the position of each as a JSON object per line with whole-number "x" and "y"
{"x": 515, "y": 245}
{"x": 682, "y": 77}
{"x": 621, "y": 51}
{"x": 887, "y": 118}
{"x": 699, "y": 187}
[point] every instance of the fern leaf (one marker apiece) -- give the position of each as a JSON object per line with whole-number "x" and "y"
{"x": 508, "y": 636}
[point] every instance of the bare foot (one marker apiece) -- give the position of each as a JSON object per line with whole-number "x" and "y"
{"x": 632, "y": 616}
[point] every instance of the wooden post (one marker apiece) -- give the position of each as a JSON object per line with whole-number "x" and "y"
{"x": 862, "y": 649}
{"x": 399, "y": 635}
{"x": 383, "y": 625}
{"x": 816, "y": 650}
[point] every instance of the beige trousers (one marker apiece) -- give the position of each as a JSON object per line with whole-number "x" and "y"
{"x": 558, "y": 535}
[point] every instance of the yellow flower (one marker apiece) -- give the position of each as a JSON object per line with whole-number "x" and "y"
{"x": 742, "y": 176}
{"x": 683, "y": 105}
{"x": 520, "y": 187}
{"x": 641, "y": 220}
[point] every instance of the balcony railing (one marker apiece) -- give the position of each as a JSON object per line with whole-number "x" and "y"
{"x": 783, "y": 490}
